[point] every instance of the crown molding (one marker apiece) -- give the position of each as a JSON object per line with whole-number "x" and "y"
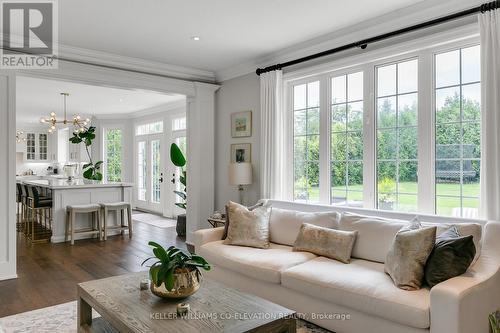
{"x": 77, "y": 54}
{"x": 180, "y": 104}
{"x": 422, "y": 11}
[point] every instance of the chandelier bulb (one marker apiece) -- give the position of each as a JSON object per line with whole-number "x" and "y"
{"x": 52, "y": 127}
{"x": 52, "y": 114}
{"x": 43, "y": 120}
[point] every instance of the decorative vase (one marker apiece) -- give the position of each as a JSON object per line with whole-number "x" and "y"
{"x": 187, "y": 281}
{"x": 181, "y": 225}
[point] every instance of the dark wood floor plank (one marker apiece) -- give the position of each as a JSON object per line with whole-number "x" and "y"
{"x": 48, "y": 273}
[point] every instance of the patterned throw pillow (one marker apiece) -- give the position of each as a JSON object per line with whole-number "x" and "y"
{"x": 327, "y": 242}
{"x": 406, "y": 259}
{"x": 452, "y": 256}
{"x": 226, "y": 225}
{"x": 248, "y": 228}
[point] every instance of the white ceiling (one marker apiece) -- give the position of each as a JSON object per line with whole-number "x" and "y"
{"x": 38, "y": 97}
{"x": 232, "y": 31}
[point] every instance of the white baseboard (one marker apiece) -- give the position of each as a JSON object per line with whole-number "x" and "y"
{"x": 8, "y": 277}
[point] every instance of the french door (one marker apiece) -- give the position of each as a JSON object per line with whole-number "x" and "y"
{"x": 149, "y": 166}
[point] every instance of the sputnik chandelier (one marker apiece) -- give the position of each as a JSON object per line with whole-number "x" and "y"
{"x": 20, "y": 136}
{"x": 79, "y": 124}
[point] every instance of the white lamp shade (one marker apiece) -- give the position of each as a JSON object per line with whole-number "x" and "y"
{"x": 240, "y": 173}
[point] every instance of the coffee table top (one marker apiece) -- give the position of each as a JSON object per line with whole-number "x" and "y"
{"x": 214, "y": 307}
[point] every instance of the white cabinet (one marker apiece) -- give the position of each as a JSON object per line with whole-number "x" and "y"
{"x": 38, "y": 147}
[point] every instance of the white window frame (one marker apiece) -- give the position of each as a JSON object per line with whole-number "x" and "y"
{"x": 424, "y": 50}
{"x": 105, "y": 129}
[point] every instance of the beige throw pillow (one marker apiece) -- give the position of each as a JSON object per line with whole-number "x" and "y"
{"x": 248, "y": 228}
{"x": 405, "y": 262}
{"x": 331, "y": 243}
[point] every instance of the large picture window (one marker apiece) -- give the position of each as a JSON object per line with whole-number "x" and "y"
{"x": 397, "y": 143}
{"x": 458, "y": 113}
{"x": 361, "y": 145}
{"x": 306, "y": 142}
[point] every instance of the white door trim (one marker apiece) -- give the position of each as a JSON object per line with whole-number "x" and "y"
{"x": 201, "y": 110}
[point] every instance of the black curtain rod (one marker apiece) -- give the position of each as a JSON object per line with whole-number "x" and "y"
{"x": 364, "y": 43}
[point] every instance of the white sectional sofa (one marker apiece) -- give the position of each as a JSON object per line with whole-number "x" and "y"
{"x": 359, "y": 297}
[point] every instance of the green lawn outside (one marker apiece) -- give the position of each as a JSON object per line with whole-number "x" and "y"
{"x": 445, "y": 205}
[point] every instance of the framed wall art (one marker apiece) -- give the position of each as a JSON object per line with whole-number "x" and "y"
{"x": 241, "y": 124}
{"x": 241, "y": 152}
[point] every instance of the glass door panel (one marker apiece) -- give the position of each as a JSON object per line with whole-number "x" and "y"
{"x": 141, "y": 171}
{"x": 156, "y": 174}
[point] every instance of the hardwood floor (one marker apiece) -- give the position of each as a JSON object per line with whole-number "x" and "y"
{"x": 48, "y": 273}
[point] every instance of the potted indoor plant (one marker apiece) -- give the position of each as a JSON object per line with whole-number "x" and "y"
{"x": 175, "y": 273}
{"x": 178, "y": 159}
{"x": 86, "y": 135}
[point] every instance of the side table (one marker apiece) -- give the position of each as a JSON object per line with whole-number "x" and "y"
{"x": 216, "y": 222}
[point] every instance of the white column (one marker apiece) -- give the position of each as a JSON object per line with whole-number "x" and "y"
{"x": 200, "y": 157}
{"x": 7, "y": 174}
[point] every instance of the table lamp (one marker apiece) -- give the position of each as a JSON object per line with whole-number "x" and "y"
{"x": 240, "y": 174}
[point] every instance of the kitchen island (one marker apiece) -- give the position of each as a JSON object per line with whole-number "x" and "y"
{"x": 80, "y": 192}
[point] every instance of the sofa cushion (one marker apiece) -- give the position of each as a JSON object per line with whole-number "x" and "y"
{"x": 464, "y": 229}
{"x": 361, "y": 285}
{"x": 262, "y": 264}
{"x": 405, "y": 262}
{"x": 248, "y": 228}
{"x": 284, "y": 224}
{"x": 451, "y": 256}
{"x": 375, "y": 235}
{"x": 327, "y": 242}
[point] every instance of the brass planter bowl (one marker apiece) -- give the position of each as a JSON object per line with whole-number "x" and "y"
{"x": 186, "y": 283}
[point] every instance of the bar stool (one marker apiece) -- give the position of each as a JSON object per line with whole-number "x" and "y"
{"x": 39, "y": 221}
{"x": 121, "y": 207}
{"x": 72, "y": 210}
{"x": 19, "y": 208}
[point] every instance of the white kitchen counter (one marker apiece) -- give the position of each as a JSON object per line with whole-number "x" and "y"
{"x": 79, "y": 192}
{"x": 61, "y": 184}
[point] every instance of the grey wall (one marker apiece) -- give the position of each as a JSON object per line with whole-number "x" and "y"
{"x": 236, "y": 95}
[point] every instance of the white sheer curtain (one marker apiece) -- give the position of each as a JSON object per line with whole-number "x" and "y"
{"x": 272, "y": 136}
{"x": 489, "y": 23}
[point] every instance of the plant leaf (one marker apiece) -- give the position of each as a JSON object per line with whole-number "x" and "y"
{"x": 169, "y": 279}
{"x": 181, "y": 194}
{"x": 88, "y": 174}
{"x": 176, "y": 156}
{"x": 181, "y": 205}
{"x": 153, "y": 273}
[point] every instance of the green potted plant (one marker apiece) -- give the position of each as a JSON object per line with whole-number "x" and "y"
{"x": 178, "y": 159}
{"x": 86, "y": 135}
{"x": 175, "y": 273}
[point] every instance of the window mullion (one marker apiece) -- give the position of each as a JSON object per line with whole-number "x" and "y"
{"x": 426, "y": 137}
{"x": 369, "y": 139}
{"x": 324, "y": 130}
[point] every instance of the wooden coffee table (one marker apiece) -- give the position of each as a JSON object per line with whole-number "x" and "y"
{"x": 214, "y": 308}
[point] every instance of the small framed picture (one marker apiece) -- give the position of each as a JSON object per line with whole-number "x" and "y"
{"x": 241, "y": 124}
{"x": 241, "y": 152}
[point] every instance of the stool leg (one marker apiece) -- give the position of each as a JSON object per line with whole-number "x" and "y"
{"x": 72, "y": 222}
{"x": 122, "y": 221}
{"x": 129, "y": 213}
{"x": 105, "y": 223}
{"x": 66, "y": 233}
{"x": 99, "y": 227}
